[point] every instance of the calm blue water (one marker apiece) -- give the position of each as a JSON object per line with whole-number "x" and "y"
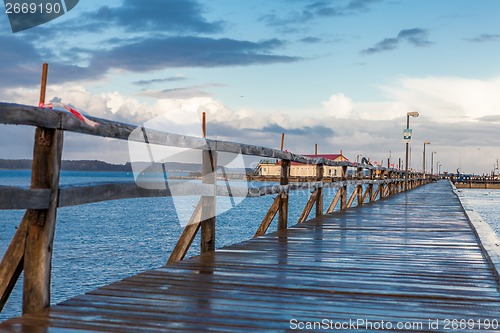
{"x": 99, "y": 243}
{"x": 487, "y": 204}
{"x": 96, "y": 244}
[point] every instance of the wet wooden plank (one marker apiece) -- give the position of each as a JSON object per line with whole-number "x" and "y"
{"x": 408, "y": 258}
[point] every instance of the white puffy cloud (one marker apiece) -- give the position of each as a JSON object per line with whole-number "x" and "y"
{"x": 439, "y": 99}
{"x": 448, "y": 99}
{"x": 339, "y": 106}
{"x": 457, "y": 115}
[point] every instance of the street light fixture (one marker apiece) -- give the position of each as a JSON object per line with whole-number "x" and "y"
{"x": 432, "y": 162}
{"x": 425, "y": 143}
{"x": 408, "y": 115}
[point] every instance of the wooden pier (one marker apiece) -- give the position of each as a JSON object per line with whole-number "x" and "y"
{"x": 477, "y": 182}
{"x": 411, "y": 259}
{"x": 406, "y": 255}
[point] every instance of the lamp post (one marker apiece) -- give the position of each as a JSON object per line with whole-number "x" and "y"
{"x": 432, "y": 162}
{"x": 425, "y": 143}
{"x": 408, "y": 115}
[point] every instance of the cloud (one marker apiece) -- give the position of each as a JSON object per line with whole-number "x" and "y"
{"x": 21, "y": 61}
{"x": 317, "y": 9}
{"x": 175, "y": 52}
{"x": 483, "y": 38}
{"x": 310, "y": 40}
{"x": 386, "y": 44}
{"x": 174, "y": 16}
{"x": 449, "y": 99}
{"x": 314, "y": 131}
{"x": 490, "y": 119}
{"x": 177, "y": 78}
{"x": 416, "y": 36}
{"x": 339, "y": 106}
{"x": 457, "y": 115}
{"x": 181, "y": 93}
{"x": 159, "y": 35}
{"x": 21, "y": 65}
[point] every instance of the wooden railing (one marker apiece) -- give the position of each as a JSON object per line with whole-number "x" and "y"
{"x": 474, "y": 181}
{"x": 31, "y": 247}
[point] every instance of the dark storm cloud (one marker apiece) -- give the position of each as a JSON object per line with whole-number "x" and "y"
{"x": 170, "y": 52}
{"x": 416, "y": 36}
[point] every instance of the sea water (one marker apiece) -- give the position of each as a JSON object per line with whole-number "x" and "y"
{"x": 487, "y": 203}
{"x": 99, "y": 243}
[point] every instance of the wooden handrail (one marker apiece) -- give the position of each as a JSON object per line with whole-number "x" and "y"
{"x": 32, "y": 244}
{"x": 15, "y": 114}
{"x": 12, "y": 197}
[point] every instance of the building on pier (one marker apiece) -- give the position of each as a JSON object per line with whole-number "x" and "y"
{"x": 272, "y": 167}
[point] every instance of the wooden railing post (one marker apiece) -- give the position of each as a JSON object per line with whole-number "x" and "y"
{"x": 188, "y": 234}
{"x": 343, "y": 196}
{"x": 401, "y": 181}
{"x": 41, "y": 223}
{"x": 390, "y": 185}
{"x": 319, "y": 197}
{"x": 382, "y": 184}
{"x": 370, "y": 186}
{"x": 359, "y": 172}
{"x": 208, "y": 209}
{"x": 45, "y": 171}
{"x": 283, "y": 207}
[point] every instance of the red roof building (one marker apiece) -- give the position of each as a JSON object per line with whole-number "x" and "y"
{"x": 272, "y": 167}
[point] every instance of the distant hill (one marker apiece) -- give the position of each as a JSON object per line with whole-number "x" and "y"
{"x": 68, "y": 165}
{"x": 94, "y": 165}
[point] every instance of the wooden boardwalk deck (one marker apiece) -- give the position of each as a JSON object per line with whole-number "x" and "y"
{"x": 407, "y": 259}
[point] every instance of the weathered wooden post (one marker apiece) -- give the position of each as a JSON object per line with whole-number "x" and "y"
{"x": 208, "y": 209}
{"x": 359, "y": 173}
{"x": 343, "y": 196}
{"x": 209, "y": 177}
{"x": 382, "y": 184}
{"x": 370, "y": 186}
{"x": 46, "y": 168}
{"x": 401, "y": 181}
{"x": 390, "y": 185}
{"x": 319, "y": 198}
{"x": 283, "y": 206}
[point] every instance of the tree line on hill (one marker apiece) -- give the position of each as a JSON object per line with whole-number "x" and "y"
{"x": 95, "y": 165}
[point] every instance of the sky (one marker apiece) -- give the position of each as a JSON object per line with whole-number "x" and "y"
{"x": 339, "y": 73}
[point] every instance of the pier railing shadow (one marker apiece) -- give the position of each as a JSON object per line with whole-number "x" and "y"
{"x": 31, "y": 247}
